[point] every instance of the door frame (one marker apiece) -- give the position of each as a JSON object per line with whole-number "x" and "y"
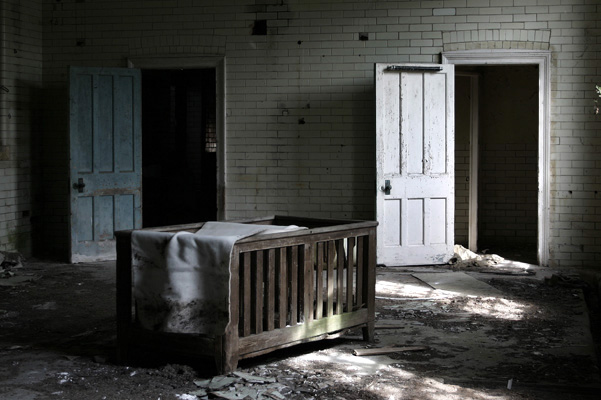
{"x": 217, "y": 62}
{"x": 542, "y": 58}
{"x": 474, "y": 163}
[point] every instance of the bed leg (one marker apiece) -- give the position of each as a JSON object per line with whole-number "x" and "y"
{"x": 369, "y": 332}
{"x": 226, "y": 354}
{"x": 124, "y": 297}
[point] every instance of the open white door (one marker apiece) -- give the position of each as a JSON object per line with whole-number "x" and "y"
{"x": 415, "y": 163}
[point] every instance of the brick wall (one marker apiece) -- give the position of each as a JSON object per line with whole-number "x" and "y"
{"x": 21, "y": 78}
{"x": 300, "y": 98}
{"x": 462, "y": 159}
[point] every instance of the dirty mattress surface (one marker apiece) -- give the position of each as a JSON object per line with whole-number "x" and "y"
{"x": 181, "y": 280}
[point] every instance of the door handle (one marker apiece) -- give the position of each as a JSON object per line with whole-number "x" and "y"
{"x": 386, "y": 188}
{"x": 79, "y": 185}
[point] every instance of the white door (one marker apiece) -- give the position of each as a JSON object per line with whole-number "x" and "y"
{"x": 415, "y": 163}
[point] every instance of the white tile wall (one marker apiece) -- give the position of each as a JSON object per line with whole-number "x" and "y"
{"x": 312, "y": 65}
{"x": 21, "y": 80}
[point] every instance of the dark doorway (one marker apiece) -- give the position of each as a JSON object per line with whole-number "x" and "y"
{"x": 507, "y": 165}
{"x": 179, "y": 146}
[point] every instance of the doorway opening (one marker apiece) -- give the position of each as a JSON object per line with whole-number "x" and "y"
{"x": 179, "y": 146}
{"x": 541, "y": 59}
{"x": 496, "y": 159}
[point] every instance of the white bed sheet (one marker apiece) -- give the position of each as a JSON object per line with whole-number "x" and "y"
{"x": 181, "y": 280}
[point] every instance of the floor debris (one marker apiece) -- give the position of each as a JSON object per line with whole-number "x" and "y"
{"x": 387, "y": 350}
{"x": 535, "y": 333}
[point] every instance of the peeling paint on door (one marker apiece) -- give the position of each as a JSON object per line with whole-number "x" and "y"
{"x": 415, "y": 153}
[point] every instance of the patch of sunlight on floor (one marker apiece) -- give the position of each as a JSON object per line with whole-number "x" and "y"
{"x": 427, "y": 389}
{"x": 348, "y": 362}
{"x": 386, "y": 288}
{"x": 496, "y": 308}
{"x": 515, "y": 264}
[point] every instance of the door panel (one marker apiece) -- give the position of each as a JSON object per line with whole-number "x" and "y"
{"x": 414, "y": 130}
{"x": 105, "y": 153}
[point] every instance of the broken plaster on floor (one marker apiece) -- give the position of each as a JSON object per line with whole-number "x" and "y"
{"x": 57, "y": 340}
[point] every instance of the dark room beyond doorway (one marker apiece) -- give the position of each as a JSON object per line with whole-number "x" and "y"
{"x": 179, "y": 145}
{"x": 507, "y": 159}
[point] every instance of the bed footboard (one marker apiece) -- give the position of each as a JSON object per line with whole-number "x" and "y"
{"x": 285, "y": 289}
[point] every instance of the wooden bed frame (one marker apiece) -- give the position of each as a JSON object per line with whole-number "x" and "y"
{"x": 285, "y": 289}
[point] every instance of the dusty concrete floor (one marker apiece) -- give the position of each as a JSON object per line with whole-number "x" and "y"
{"x": 57, "y": 341}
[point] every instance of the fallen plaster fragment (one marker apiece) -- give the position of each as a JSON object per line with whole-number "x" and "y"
{"x": 387, "y": 350}
{"x": 235, "y": 387}
{"x": 275, "y": 395}
{"x": 253, "y": 378}
{"x": 242, "y": 393}
{"x": 188, "y": 396}
{"x": 466, "y": 258}
{"x": 216, "y": 383}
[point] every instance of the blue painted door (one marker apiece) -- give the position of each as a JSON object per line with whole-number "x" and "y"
{"x": 105, "y": 159}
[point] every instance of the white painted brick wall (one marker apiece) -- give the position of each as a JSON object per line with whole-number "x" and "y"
{"x": 325, "y": 166}
{"x": 21, "y": 74}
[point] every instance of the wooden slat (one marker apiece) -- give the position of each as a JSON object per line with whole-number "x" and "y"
{"x": 330, "y": 289}
{"x": 246, "y": 276}
{"x": 323, "y": 336}
{"x": 340, "y": 276}
{"x": 235, "y": 290}
{"x": 124, "y": 295}
{"x": 300, "y": 332}
{"x": 350, "y": 264}
{"x": 226, "y": 346}
{"x": 319, "y": 282}
{"x": 283, "y": 286}
{"x": 369, "y": 291}
{"x": 270, "y": 289}
{"x": 258, "y": 292}
{"x": 308, "y": 283}
{"x": 293, "y": 284}
{"x": 360, "y": 267}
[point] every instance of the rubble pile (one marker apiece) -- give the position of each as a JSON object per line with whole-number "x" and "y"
{"x": 8, "y": 263}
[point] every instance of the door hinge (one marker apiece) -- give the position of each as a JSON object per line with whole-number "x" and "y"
{"x": 411, "y": 68}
